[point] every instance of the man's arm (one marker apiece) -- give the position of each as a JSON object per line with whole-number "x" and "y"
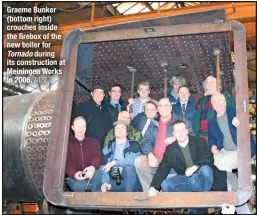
{"x": 130, "y": 159}
{"x": 163, "y": 169}
{"x": 105, "y": 175}
{"x": 146, "y": 144}
{"x": 212, "y": 140}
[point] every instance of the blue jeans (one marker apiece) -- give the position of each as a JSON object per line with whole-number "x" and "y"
{"x": 92, "y": 185}
{"x": 201, "y": 180}
{"x": 129, "y": 183}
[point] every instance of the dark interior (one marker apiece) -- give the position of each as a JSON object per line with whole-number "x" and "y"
{"x": 191, "y": 56}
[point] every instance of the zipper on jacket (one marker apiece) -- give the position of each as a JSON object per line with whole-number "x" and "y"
{"x": 82, "y": 157}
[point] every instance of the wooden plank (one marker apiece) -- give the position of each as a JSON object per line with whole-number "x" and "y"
{"x": 142, "y": 200}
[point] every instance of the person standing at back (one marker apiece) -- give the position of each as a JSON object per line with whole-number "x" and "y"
{"x": 138, "y": 103}
{"x": 175, "y": 83}
{"x": 98, "y": 119}
{"x": 115, "y": 104}
{"x": 185, "y": 108}
{"x": 204, "y": 110}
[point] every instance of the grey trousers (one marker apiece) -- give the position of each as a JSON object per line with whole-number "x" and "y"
{"x": 145, "y": 172}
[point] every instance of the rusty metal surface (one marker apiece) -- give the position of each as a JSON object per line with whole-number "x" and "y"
{"x": 160, "y": 31}
{"x": 56, "y": 156}
{"x": 57, "y": 150}
{"x": 24, "y": 147}
{"x": 162, "y": 200}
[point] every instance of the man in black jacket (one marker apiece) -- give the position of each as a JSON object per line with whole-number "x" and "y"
{"x": 193, "y": 162}
{"x": 96, "y": 114}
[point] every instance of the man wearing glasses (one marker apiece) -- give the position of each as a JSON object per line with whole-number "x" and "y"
{"x": 154, "y": 143}
{"x": 138, "y": 103}
{"x": 83, "y": 159}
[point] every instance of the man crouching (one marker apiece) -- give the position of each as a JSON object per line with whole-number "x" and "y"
{"x": 119, "y": 173}
{"x": 83, "y": 159}
{"x": 193, "y": 162}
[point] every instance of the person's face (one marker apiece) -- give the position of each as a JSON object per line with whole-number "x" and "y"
{"x": 98, "y": 95}
{"x": 115, "y": 93}
{"x": 164, "y": 108}
{"x": 180, "y": 132}
{"x": 79, "y": 127}
{"x": 150, "y": 111}
{"x": 143, "y": 91}
{"x": 218, "y": 103}
{"x": 120, "y": 131}
{"x": 183, "y": 94}
{"x": 175, "y": 86}
{"x": 124, "y": 116}
{"x": 210, "y": 83}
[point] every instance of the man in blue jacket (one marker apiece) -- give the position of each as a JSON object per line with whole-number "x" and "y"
{"x": 222, "y": 134}
{"x": 154, "y": 143}
{"x": 143, "y": 120}
{"x": 118, "y": 173}
{"x": 185, "y": 108}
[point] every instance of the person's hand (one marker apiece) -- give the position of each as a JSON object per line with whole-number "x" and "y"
{"x": 108, "y": 166}
{"x": 169, "y": 140}
{"x": 152, "y": 192}
{"x": 130, "y": 101}
{"x": 235, "y": 122}
{"x": 152, "y": 160}
{"x": 89, "y": 171}
{"x": 105, "y": 187}
{"x": 190, "y": 170}
{"x": 78, "y": 176}
{"x": 214, "y": 149}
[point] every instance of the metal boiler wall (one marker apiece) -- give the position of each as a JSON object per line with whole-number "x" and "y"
{"x": 27, "y": 122}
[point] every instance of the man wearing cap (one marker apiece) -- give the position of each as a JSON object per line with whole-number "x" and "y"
{"x": 120, "y": 153}
{"x": 83, "y": 159}
{"x": 133, "y": 133}
{"x": 115, "y": 104}
{"x": 96, "y": 114}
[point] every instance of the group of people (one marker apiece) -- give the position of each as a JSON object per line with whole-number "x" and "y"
{"x": 173, "y": 145}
